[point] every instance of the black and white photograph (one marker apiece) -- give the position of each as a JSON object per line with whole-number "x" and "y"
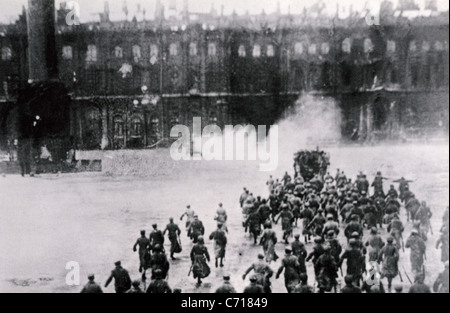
{"x": 224, "y": 146}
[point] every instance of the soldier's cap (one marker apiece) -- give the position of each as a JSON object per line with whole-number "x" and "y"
{"x": 220, "y": 224}
{"x": 330, "y": 217}
{"x": 355, "y": 202}
{"x": 318, "y": 239}
{"x": 352, "y": 241}
{"x": 188, "y": 206}
{"x": 414, "y": 232}
{"x": 374, "y": 230}
{"x": 355, "y": 217}
{"x": 154, "y": 225}
{"x": 378, "y": 173}
{"x": 288, "y": 250}
{"x": 390, "y": 239}
{"x": 330, "y": 233}
{"x": 320, "y": 210}
{"x": 220, "y": 204}
{"x": 307, "y": 204}
{"x": 398, "y": 288}
{"x": 200, "y": 239}
{"x": 253, "y": 278}
{"x": 137, "y": 283}
{"x": 363, "y": 192}
{"x": 195, "y": 215}
{"x": 118, "y": 263}
{"x": 226, "y": 276}
{"x": 157, "y": 247}
{"x": 297, "y": 236}
{"x": 91, "y": 276}
{"x": 326, "y": 248}
{"x": 142, "y": 232}
{"x": 355, "y": 234}
{"x": 261, "y": 256}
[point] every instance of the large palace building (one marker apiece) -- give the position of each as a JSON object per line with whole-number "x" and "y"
{"x": 131, "y": 81}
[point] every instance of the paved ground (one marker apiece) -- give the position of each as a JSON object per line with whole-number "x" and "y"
{"x": 94, "y": 219}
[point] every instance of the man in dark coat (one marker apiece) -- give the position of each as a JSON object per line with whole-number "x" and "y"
{"x": 220, "y": 244}
{"x": 291, "y": 269}
{"x": 389, "y": 255}
{"x": 136, "y": 287}
{"x": 174, "y": 234}
{"x": 122, "y": 280}
{"x": 196, "y": 229}
{"x": 299, "y": 250}
{"x": 93, "y": 287}
{"x": 156, "y": 237}
{"x": 263, "y": 273}
{"x": 355, "y": 261}
{"x": 253, "y": 224}
{"x": 144, "y": 244}
{"x": 200, "y": 257}
{"x": 318, "y": 250}
{"x": 303, "y": 287}
{"x": 159, "y": 261}
{"x": 419, "y": 285}
{"x": 327, "y": 268}
{"x": 418, "y": 250}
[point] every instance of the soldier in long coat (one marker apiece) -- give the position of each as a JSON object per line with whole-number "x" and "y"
{"x": 200, "y": 257}
{"x": 418, "y": 250}
{"x": 396, "y": 228}
{"x": 253, "y": 224}
{"x": 291, "y": 269}
{"x": 158, "y": 261}
{"x": 318, "y": 250}
{"x": 307, "y": 216}
{"x": 174, "y": 233}
{"x": 189, "y": 216}
{"x": 299, "y": 250}
{"x": 327, "y": 268}
{"x": 268, "y": 241}
{"x": 355, "y": 261}
{"x": 375, "y": 243}
{"x": 389, "y": 255}
{"x": 156, "y": 237}
{"x": 286, "y": 222}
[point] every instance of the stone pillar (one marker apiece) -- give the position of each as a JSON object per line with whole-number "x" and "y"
{"x": 369, "y": 120}
{"x": 43, "y": 60}
{"x": 105, "y": 140}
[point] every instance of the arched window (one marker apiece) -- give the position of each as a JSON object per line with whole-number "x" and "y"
{"x": 241, "y": 51}
{"x": 6, "y": 53}
{"x": 312, "y": 49}
{"x": 173, "y": 49}
{"x": 91, "y": 54}
{"x": 137, "y": 53}
{"x": 270, "y": 51}
{"x": 67, "y": 53}
{"x": 298, "y": 48}
{"x": 391, "y": 46}
{"x": 193, "y": 49}
{"x": 118, "y": 127}
{"x": 118, "y": 52}
{"x": 212, "y": 49}
{"x": 136, "y": 127}
{"x": 347, "y": 45}
{"x": 256, "y": 51}
{"x": 154, "y": 54}
{"x": 325, "y": 48}
{"x": 368, "y": 45}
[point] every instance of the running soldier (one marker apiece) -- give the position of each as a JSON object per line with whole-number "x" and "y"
{"x": 122, "y": 280}
{"x": 291, "y": 269}
{"x": 196, "y": 229}
{"x": 418, "y": 250}
{"x": 200, "y": 257}
{"x": 226, "y": 286}
{"x": 220, "y": 244}
{"x": 299, "y": 250}
{"x": 93, "y": 287}
{"x": 389, "y": 256}
{"x": 174, "y": 233}
{"x": 355, "y": 261}
{"x": 144, "y": 245}
{"x": 156, "y": 237}
{"x": 189, "y": 216}
{"x": 268, "y": 241}
{"x": 263, "y": 273}
{"x": 159, "y": 285}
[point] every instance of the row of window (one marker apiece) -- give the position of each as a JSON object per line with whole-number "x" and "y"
{"x": 299, "y": 49}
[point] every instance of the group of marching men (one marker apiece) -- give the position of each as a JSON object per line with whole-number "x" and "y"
{"x": 327, "y": 206}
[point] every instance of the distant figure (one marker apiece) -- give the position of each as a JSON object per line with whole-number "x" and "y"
{"x": 189, "y": 216}
{"x": 199, "y": 258}
{"x": 122, "y": 280}
{"x": 220, "y": 244}
{"x": 92, "y": 286}
{"x": 174, "y": 234}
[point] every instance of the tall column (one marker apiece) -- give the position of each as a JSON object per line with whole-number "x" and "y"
{"x": 105, "y": 140}
{"x": 43, "y": 60}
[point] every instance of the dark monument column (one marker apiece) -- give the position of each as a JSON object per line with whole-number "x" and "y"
{"x": 42, "y": 40}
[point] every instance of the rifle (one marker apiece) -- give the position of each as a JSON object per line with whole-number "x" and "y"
{"x": 400, "y": 276}
{"x": 406, "y": 273}
{"x": 190, "y": 270}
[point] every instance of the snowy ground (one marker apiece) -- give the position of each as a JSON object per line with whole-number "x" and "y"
{"x": 94, "y": 219}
